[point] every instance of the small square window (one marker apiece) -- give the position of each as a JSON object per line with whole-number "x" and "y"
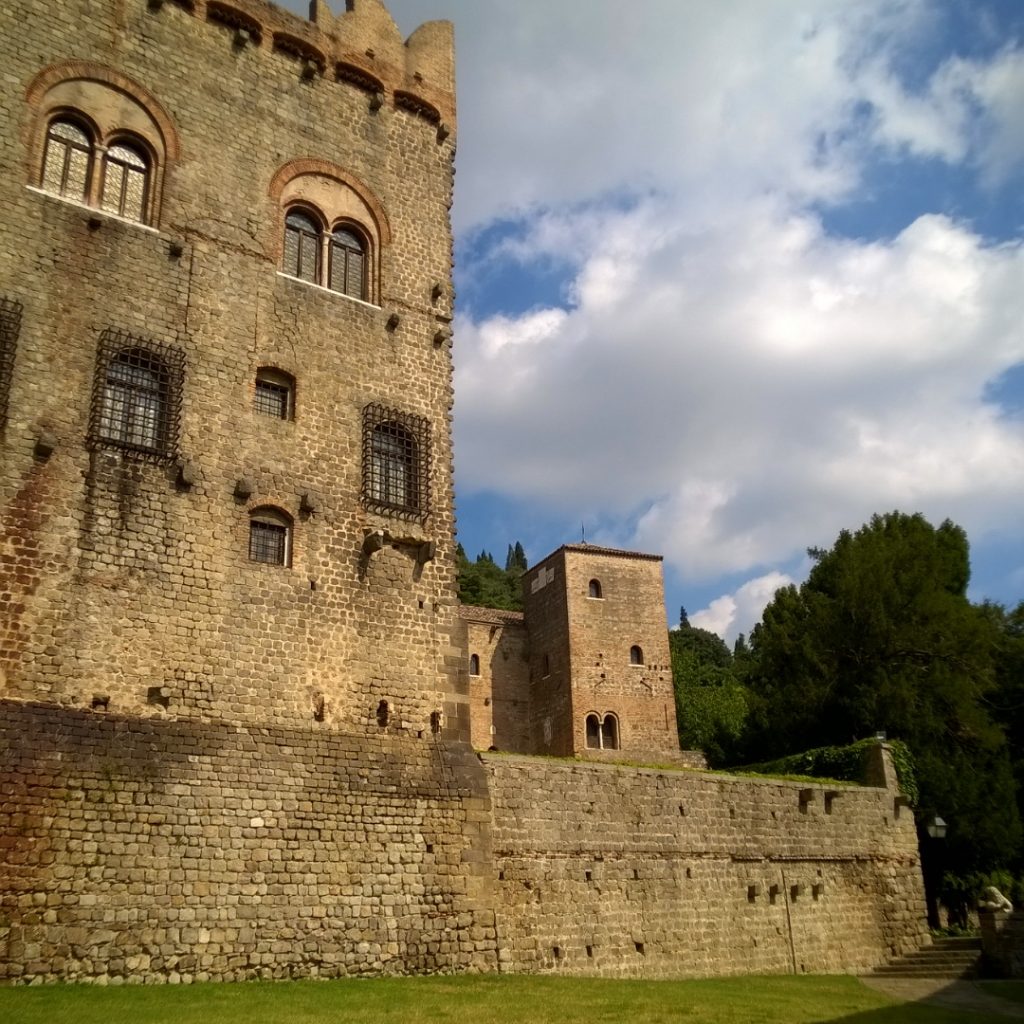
{"x": 274, "y": 394}
{"x": 269, "y": 537}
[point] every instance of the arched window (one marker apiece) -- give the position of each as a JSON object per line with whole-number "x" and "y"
{"x": 594, "y": 590}
{"x": 474, "y": 664}
{"x": 347, "y": 263}
{"x": 270, "y": 535}
{"x": 302, "y": 237}
{"x": 393, "y": 467}
{"x": 610, "y": 733}
{"x": 602, "y": 733}
{"x": 636, "y": 655}
{"x": 67, "y": 161}
{"x": 125, "y": 181}
{"x": 134, "y": 408}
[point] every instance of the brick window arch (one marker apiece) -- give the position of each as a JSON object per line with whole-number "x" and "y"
{"x": 350, "y": 221}
{"x": 270, "y": 536}
{"x": 101, "y": 139}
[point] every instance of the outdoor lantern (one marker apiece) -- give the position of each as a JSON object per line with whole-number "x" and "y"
{"x": 936, "y": 827}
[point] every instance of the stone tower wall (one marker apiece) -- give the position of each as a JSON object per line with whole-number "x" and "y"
{"x": 629, "y": 613}
{"x": 128, "y": 579}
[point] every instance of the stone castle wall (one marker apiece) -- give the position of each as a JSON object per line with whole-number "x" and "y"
{"x": 163, "y": 850}
{"x": 637, "y": 872}
{"x": 128, "y": 579}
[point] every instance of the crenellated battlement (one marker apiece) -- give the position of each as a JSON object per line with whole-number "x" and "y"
{"x": 361, "y": 47}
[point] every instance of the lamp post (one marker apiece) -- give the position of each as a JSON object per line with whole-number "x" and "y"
{"x": 935, "y": 829}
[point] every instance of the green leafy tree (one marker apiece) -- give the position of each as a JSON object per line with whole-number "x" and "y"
{"x": 711, "y": 703}
{"x": 484, "y": 583}
{"x": 882, "y": 636}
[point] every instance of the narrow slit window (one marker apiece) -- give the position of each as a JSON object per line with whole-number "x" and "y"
{"x": 474, "y": 664}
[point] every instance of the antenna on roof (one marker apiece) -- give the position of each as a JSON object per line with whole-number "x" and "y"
{"x": 583, "y": 534}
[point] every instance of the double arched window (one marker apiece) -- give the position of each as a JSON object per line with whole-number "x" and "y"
{"x": 114, "y": 177}
{"x": 602, "y": 733}
{"x": 335, "y": 258}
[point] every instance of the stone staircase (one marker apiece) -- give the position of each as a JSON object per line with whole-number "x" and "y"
{"x": 944, "y": 958}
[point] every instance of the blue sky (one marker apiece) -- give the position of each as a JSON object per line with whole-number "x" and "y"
{"x": 733, "y": 276}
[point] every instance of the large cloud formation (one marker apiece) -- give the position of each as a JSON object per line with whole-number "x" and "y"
{"x": 725, "y": 377}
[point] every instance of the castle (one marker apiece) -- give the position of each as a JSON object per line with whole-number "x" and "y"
{"x": 239, "y": 700}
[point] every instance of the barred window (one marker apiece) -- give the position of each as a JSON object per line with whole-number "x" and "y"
{"x": 396, "y": 462}
{"x": 125, "y": 181}
{"x": 270, "y": 534}
{"x": 347, "y": 260}
{"x": 137, "y": 395}
{"x": 10, "y": 327}
{"x": 302, "y": 246}
{"x": 67, "y": 161}
{"x": 275, "y": 393}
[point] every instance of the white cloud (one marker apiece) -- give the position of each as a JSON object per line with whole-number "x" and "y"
{"x": 732, "y": 614}
{"x": 758, "y": 387}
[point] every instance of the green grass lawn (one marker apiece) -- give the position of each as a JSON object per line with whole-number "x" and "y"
{"x": 478, "y": 1000}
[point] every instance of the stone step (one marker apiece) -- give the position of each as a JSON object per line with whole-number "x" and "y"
{"x": 945, "y": 958}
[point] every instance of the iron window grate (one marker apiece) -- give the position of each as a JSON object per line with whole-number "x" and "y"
{"x": 136, "y": 401}
{"x": 396, "y": 462}
{"x": 272, "y": 399}
{"x": 268, "y": 542}
{"x": 10, "y": 328}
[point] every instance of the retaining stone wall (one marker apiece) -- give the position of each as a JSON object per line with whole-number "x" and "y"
{"x": 635, "y": 872}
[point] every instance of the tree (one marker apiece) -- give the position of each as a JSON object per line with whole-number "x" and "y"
{"x": 711, "y": 704}
{"x": 483, "y": 583}
{"x": 881, "y": 636}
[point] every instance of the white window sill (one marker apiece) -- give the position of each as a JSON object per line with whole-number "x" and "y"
{"x": 94, "y": 210}
{"x": 328, "y": 291}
